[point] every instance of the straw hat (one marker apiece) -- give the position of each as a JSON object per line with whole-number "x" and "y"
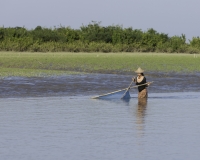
{"x": 139, "y": 70}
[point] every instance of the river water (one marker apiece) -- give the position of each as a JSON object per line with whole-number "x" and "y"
{"x": 55, "y": 118}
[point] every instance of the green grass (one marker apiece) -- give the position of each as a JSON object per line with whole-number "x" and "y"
{"x": 7, "y": 72}
{"x": 35, "y": 64}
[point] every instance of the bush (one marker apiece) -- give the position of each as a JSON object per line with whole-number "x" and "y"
{"x": 94, "y": 38}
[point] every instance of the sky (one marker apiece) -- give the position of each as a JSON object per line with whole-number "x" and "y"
{"x": 172, "y": 17}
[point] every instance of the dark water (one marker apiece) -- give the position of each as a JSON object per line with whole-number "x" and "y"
{"x": 93, "y": 84}
{"x": 55, "y": 118}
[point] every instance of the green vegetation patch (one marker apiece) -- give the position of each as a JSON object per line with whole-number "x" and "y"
{"x": 94, "y": 38}
{"x": 16, "y": 72}
{"x": 36, "y": 64}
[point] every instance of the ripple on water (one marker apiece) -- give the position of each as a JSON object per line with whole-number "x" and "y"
{"x": 77, "y": 127}
{"x": 92, "y": 84}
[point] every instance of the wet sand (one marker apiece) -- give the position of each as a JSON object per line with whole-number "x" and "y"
{"x": 94, "y": 84}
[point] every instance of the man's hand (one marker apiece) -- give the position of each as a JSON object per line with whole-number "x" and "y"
{"x": 148, "y": 83}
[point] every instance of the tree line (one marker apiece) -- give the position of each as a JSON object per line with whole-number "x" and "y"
{"x": 94, "y": 38}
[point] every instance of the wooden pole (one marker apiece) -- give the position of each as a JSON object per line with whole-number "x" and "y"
{"x": 121, "y": 90}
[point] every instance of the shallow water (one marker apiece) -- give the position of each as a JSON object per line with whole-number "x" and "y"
{"x": 55, "y": 118}
{"x": 71, "y": 127}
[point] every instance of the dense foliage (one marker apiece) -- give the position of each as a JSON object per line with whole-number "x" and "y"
{"x": 94, "y": 38}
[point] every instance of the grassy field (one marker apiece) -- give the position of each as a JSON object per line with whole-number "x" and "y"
{"x": 42, "y": 64}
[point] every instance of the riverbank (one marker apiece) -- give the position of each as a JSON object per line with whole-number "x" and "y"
{"x": 37, "y": 64}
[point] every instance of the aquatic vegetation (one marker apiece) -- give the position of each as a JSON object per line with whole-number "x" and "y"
{"x": 30, "y": 64}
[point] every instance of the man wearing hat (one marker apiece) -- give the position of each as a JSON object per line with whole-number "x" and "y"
{"x": 140, "y": 80}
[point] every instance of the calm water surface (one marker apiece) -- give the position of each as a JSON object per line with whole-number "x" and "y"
{"x": 73, "y": 128}
{"x": 55, "y": 118}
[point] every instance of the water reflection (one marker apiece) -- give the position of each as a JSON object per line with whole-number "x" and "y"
{"x": 103, "y": 129}
{"x": 142, "y": 104}
{"x": 140, "y": 115}
{"x": 126, "y": 101}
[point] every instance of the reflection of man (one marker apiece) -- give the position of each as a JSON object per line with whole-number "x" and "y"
{"x": 142, "y": 104}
